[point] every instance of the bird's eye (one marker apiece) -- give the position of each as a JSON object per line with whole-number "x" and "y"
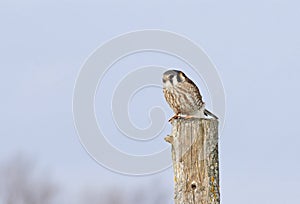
{"x": 164, "y": 81}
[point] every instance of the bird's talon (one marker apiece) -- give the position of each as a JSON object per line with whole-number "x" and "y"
{"x": 189, "y": 117}
{"x": 174, "y": 117}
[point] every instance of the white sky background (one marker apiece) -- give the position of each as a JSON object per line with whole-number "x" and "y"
{"x": 255, "y": 46}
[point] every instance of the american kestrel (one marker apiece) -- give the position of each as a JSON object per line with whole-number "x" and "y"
{"x": 183, "y": 96}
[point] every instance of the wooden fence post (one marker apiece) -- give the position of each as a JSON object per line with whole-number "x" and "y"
{"x": 195, "y": 161}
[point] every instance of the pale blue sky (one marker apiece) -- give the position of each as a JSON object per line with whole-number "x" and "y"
{"x": 254, "y": 44}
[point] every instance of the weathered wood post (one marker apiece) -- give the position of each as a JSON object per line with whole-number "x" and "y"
{"x": 195, "y": 161}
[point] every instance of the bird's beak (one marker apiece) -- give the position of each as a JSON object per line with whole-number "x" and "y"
{"x": 165, "y": 78}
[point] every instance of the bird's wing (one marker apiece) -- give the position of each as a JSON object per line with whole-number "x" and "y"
{"x": 190, "y": 88}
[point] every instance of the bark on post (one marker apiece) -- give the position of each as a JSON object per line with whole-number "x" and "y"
{"x": 195, "y": 161}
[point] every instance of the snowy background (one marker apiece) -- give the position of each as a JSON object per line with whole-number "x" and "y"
{"x": 254, "y": 44}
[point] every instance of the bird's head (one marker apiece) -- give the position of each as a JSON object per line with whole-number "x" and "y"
{"x": 173, "y": 77}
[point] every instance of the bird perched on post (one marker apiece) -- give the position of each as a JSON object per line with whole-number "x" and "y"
{"x": 183, "y": 96}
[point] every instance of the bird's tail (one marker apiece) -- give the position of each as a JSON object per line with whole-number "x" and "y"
{"x": 208, "y": 113}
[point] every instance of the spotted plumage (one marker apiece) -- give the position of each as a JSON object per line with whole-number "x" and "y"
{"x": 183, "y": 96}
